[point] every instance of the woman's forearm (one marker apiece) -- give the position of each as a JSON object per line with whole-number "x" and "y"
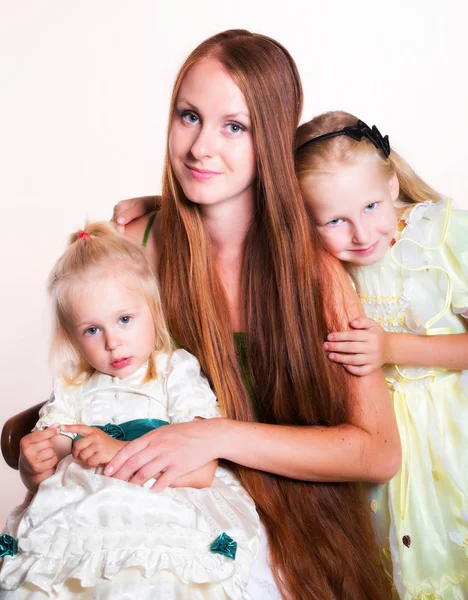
{"x": 444, "y": 351}
{"x": 341, "y": 453}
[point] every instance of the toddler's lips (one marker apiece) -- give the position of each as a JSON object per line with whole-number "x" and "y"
{"x": 120, "y": 363}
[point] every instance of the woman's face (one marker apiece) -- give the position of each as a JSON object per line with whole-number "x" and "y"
{"x": 210, "y": 141}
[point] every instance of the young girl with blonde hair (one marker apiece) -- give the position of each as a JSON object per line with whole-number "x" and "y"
{"x": 405, "y": 247}
{"x": 86, "y": 535}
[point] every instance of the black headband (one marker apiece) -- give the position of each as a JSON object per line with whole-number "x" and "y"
{"x": 357, "y": 132}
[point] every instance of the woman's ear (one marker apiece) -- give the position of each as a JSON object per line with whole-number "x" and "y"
{"x": 394, "y": 186}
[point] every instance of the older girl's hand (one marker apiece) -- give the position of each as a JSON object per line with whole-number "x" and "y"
{"x": 129, "y": 210}
{"x": 168, "y": 453}
{"x": 362, "y": 350}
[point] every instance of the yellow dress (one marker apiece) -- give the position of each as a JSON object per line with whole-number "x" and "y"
{"x": 421, "y": 516}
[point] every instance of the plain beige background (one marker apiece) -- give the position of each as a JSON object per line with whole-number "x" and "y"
{"x": 84, "y": 105}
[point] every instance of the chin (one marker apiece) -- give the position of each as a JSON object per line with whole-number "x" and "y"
{"x": 202, "y": 197}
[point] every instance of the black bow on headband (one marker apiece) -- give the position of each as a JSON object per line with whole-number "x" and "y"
{"x": 357, "y": 132}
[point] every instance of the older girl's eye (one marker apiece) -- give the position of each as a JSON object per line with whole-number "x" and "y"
{"x": 189, "y": 117}
{"x": 92, "y": 331}
{"x": 371, "y": 207}
{"x": 335, "y": 222}
{"x": 125, "y": 320}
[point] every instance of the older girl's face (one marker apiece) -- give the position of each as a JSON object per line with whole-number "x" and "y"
{"x": 210, "y": 141}
{"x": 353, "y": 209}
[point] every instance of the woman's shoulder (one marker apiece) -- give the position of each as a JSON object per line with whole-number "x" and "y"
{"x": 147, "y": 231}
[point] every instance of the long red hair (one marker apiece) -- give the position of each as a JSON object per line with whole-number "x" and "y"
{"x": 320, "y": 537}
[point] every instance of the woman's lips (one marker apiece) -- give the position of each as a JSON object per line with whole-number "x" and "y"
{"x": 202, "y": 174}
{"x": 120, "y": 363}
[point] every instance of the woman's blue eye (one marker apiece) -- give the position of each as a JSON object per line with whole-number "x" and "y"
{"x": 235, "y": 127}
{"x": 189, "y": 117}
{"x": 92, "y": 331}
{"x": 371, "y": 207}
{"x": 125, "y": 320}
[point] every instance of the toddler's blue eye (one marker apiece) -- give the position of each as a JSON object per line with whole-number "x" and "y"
{"x": 91, "y": 331}
{"x": 334, "y": 222}
{"x": 372, "y": 206}
{"x": 125, "y": 319}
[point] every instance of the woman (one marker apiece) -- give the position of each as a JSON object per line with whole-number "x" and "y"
{"x": 236, "y": 253}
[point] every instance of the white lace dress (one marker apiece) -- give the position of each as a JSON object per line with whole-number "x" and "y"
{"x": 85, "y": 535}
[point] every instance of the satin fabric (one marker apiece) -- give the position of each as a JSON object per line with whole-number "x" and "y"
{"x": 85, "y": 535}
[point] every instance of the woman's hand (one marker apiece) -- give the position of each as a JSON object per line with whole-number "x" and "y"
{"x": 129, "y": 210}
{"x": 361, "y": 350}
{"x": 167, "y": 453}
{"x": 95, "y": 447}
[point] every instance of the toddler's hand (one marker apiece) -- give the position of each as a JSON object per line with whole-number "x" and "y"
{"x": 37, "y": 453}
{"x": 361, "y": 350}
{"x": 96, "y": 447}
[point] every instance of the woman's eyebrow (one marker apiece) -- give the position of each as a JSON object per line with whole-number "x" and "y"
{"x": 233, "y": 115}
{"x": 185, "y": 101}
{"x": 241, "y": 113}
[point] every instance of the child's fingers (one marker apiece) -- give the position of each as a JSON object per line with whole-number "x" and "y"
{"x": 83, "y": 430}
{"x": 39, "y": 436}
{"x": 350, "y": 359}
{"x": 357, "y": 335}
{"x": 45, "y": 454}
{"x": 45, "y": 465}
{"x": 83, "y": 453}
{"x": 362, "y": 323}
{"x": 346, "y": 347}
{"x": 37, "y": 447}
{"x": 94, "y": 460}
{"x": 360, "y": 371}
{"x": 81, "y": 445}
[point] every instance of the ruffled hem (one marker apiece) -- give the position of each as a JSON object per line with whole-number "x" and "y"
{"x": 59, "y": 541}
{"x": 50, "y": 572}
{"x": 450, "y": 587}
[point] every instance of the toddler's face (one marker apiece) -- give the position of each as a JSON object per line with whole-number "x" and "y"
{"x": 112, "y": 326}
{"x": 353, "y": 209}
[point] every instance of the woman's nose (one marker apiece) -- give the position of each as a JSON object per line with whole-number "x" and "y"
{"x": 204, "y": 146}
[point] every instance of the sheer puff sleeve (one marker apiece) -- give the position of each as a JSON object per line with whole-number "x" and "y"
{"x": 434, "y": 256}
{"x": 60, "y": 408}
{"x": 188, "y": 391}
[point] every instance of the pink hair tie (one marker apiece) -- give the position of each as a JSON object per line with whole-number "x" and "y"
{"x": 83, "y": 234}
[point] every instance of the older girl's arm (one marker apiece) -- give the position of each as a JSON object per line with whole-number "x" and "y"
{"x": 444, "y": 351}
